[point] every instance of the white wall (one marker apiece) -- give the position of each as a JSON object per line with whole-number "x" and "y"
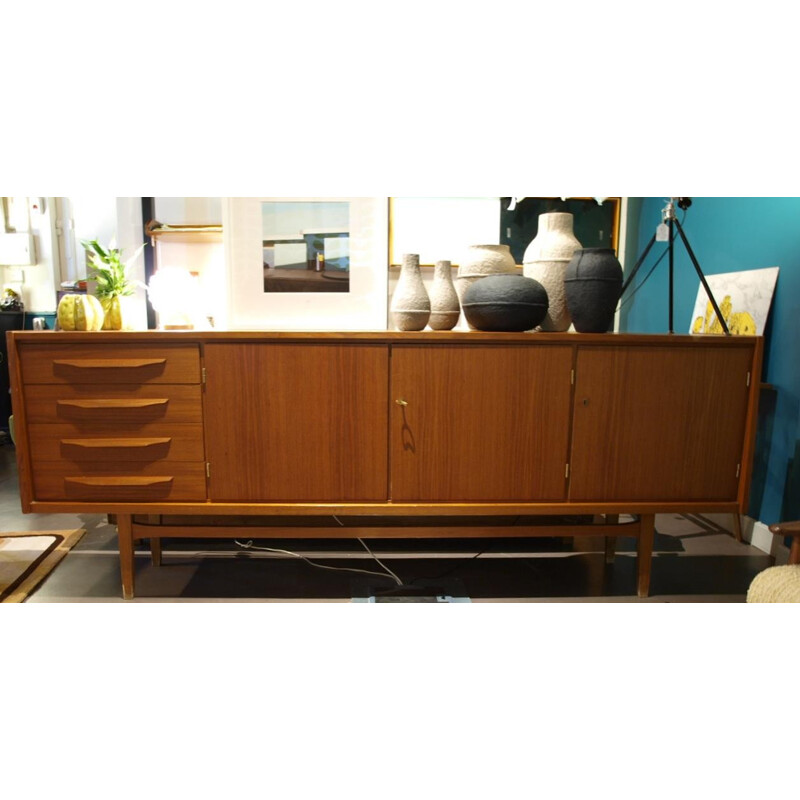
{"x": 36, "y": 283}
{"x": 188, "y": 210}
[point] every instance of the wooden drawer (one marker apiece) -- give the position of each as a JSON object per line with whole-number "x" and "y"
{"x": 131, "y": 482}
{"x": 165, "y": 444}
{"x": 109, "y": 364}
{"x": 114, "y": 406}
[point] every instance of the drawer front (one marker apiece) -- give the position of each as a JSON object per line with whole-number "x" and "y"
{"x": 131, "y": 482}
{"x": 113, "y": 406}
{"x": 165, "y": 444}
{"x": 111, "y": 364}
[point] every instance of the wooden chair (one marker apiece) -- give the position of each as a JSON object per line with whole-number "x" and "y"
{"x": 790, "y": 529}
{"x": 780, "y": 584}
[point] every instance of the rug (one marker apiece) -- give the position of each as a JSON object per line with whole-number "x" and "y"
{"x": 27, "y": 558}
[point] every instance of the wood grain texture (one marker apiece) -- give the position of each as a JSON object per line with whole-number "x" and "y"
{"x": 133, "y": 482}
{"x": 481, "y": 423}
{"x": 165, "y": 443}
{"x": 109, "y": 363}
{"x": 297, "y": 422}
{"x": 111, "y": 406}
{"x": 659, "y": 424}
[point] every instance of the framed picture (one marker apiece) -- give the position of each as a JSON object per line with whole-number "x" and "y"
{"x": 744, "y": 299}
{"x": 306, "y": 263}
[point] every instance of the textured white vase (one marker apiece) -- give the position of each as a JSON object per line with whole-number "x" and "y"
{"x": 411, "y": 306}
{"x": 546, "y": 259}
{"x": 445, "y": 307}
{"x": 481, "y": 260}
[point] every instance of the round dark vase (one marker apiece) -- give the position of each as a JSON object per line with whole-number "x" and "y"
{"x": 510, "y": 303}
{"x": 593, "y": 285}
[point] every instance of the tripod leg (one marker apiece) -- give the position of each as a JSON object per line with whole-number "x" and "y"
{"x": 638, "y": 265}
{"x": 671, "y": 275}
{"x": 703, "y": 279}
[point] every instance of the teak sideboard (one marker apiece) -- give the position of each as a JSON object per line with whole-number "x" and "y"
{"x": 159, "y": 426}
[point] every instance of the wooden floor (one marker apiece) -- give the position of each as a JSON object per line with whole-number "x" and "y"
{"x": 694, "y": 561}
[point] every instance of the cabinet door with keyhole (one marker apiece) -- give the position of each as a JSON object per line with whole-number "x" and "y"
{"x": 297, "y": 422}
{"x": 480, "y": 423}
{"x": 659, "y": 423}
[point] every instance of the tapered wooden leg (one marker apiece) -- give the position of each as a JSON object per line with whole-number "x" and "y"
{"x": 611, "y": 541}
{"x": 155, "y": 542}
{"x": 794, "y": 552}
{"x": 155, "y": 551}
{"x": 646, "y": 535}
{"x": 125, "y": 536}
{"x": 737, "y": 527}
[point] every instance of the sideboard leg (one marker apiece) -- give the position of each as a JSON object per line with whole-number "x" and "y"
{"x": 155, "y": 541}
{"x": 155, "y": 551}
{"x": 125, "y": 535}
{"x": 611, "y": 541}
{"x": 737, "y": 527}
{"x": 646, "y": 535}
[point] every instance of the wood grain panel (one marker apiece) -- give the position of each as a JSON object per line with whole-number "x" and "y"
{"x": 109, "y": 407}
{"x": 659, "y": 424}
{"x": 173, "y": 443}
{"x": 481, "y": 423}
{"x": 130, "y": 482}
{"x": 297, "y": 422}
{"x": 110, "y": 363}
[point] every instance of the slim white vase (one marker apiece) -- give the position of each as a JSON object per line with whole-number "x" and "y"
{"x": 411, "y": 306}
{"x": 445, "y": 308}
{"x": 546, "y": 260}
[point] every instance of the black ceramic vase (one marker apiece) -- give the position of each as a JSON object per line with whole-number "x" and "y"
{"x": 592, "y": 285}
{"x": 509, "y": 303}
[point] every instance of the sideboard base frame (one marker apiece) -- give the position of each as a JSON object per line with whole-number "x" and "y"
{"x": 131, "y": 529}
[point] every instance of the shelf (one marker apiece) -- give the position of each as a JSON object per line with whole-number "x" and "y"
{"x": 184, "y": 234}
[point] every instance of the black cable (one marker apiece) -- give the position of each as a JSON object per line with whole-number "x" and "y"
{"x": 449, "y": 572}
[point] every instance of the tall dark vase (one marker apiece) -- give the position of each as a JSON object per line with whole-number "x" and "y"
{"x": 593, "y": 285}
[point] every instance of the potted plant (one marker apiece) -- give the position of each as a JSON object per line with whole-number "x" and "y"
{"x": 112, "y": 283}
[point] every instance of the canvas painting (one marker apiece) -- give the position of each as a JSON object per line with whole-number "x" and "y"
{"x": 744, "y": 299}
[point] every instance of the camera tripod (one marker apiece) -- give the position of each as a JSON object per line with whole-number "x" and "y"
{"x": 670, "y": 222}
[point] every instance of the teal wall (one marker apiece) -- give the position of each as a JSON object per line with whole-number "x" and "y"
{"x": 730, "y": 234}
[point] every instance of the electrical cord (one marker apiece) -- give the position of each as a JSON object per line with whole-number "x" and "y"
{"x": 250, "y": 546}
{"x": 398, "y": 581}
{"x": 449, "y": 572}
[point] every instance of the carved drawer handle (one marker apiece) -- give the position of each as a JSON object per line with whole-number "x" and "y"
{"x": 99, "y": 405}
{"x": 401, "y": 402}
{"x": 102, "y": 444}
{"x": 134, "y": 482}
{"x": 111, "y": 363}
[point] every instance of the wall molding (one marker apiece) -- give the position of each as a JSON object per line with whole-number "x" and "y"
{"x": 754, "y": 533}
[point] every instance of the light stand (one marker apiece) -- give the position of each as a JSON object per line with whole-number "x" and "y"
{"x": 670, "y": 224}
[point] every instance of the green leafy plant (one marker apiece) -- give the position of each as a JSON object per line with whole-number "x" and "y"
{"x": 109, "y": 272}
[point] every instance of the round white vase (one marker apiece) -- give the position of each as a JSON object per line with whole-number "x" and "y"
{"x": 411, "y": 306}
{"x": 445, "y": 307}
{"x": 481, "y": 260}
{"x": 546, "y": 259}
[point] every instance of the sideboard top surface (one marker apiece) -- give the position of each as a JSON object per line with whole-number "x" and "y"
{"x": 381, "y": 337}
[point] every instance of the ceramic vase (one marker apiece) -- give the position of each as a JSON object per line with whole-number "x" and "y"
{"x": 445, "y": 307}
{"x": 546, "y": 259}
{"x": 505, "y": 303}
{"x": 481, "y": 260}
{"x": 593, "y": 282}
{"x": 411, "y": 306}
